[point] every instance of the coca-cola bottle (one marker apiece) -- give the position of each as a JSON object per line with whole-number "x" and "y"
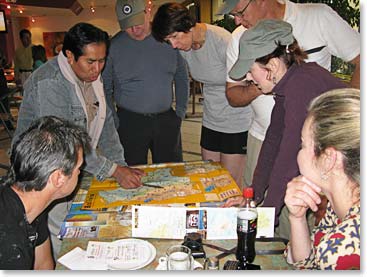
{"x": 246, "y": 229}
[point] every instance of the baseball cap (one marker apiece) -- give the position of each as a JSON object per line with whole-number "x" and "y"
{"x": 259, "y": 41}
{"x": 227, "y": 6}
{"x": 130, "y": 13}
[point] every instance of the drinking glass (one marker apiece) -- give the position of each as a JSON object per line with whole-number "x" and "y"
{"x": 179, "y": 258}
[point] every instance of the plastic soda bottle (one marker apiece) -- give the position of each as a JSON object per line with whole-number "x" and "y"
{"x": 246, "y": 229}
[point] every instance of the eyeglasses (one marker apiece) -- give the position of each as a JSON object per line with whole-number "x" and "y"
{"x": 240, "y": 13}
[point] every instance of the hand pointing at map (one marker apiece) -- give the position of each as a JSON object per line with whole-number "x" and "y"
{"x": 128, "y": 177}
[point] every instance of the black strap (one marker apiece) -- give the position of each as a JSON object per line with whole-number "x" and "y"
{"x": 276, "y": 239}
{"x": 271, "y": 251}
{"x": 226, "y": 252}
{"x": 314, "y": 50}
{"x": 229, "y": 251}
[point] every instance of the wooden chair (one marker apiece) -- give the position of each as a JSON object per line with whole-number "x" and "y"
{"x": 5, "y": 113}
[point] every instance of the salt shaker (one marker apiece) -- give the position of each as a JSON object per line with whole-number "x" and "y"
{"x": 212, "y": 263}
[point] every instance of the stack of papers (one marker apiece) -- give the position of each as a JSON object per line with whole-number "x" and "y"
{"x": 124, "y": 254}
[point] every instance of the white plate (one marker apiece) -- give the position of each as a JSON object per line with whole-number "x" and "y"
{"x": 135, "y": 253}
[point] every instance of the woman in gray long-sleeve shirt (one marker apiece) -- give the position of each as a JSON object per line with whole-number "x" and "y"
{"x": 203, "y": 46}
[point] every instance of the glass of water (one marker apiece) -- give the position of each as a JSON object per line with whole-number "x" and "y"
{"x": 179, "y": 258}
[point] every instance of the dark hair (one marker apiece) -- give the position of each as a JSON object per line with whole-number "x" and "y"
{"x": 23, "y": 32}
{"x": 39, "y": 53}
{"x": 288, "y": 54}
{"x": 49, "y": 144}
{"x": 81, "y": 35}
{"x": 170, "y": 18}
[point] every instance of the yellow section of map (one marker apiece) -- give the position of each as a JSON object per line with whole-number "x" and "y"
{"x": 189, "y": 182}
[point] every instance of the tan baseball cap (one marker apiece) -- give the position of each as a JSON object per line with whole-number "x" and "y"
{"x": 130, "y": 13}
{"x": 226, "y": 7}
{"x": 259, "y": 41}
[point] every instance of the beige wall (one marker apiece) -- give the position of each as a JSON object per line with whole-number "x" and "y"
{"x": 205, "y": 11}
{"x": 103, "y": 18}
{"x": 215, "y": 5}
{"x": 208, "y": 9}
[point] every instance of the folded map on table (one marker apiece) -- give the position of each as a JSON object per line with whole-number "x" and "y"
{"x": 189, "y": 182}
{"x": 212, "y": 223}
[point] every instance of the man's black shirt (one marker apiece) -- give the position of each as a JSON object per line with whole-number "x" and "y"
{"x": 18, "y": 238}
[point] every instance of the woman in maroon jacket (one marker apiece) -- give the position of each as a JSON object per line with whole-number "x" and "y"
{"x": 271, "y": 58}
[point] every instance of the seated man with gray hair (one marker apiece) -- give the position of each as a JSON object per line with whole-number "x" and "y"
{"x": 45, "y": 163}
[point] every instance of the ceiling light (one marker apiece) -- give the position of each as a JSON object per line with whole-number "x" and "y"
{"x": 149, "y": 5}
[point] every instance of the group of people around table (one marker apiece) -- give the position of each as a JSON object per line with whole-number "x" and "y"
{"x": 267, "y": 92}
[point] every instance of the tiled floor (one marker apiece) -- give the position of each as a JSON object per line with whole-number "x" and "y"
{"x": 191, "y": 128}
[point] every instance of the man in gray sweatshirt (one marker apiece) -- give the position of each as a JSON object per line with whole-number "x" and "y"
{"x": 138, "y": 78}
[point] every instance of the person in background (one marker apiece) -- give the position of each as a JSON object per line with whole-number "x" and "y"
{"x": 39, "y": 56}
{"x": 203, "y": 46}
{"x": 45, "y": 163}
{"x": 69, "y": 86}
{"x": 271, "y": 58}
{"x": 329, "y": 163}
{"x": 319, "y": 30}
{"x": 138, "y": 78}
{"x": 23, "y": 61}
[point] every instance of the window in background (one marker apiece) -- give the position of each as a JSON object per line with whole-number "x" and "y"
{"x": 3, "y": 27}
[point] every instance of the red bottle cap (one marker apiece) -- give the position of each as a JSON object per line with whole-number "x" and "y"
{"x": 248, "y": 192}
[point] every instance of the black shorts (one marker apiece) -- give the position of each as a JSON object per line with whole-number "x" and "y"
{"x": 235, "y": 143}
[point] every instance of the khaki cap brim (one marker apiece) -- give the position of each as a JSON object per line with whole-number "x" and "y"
{"x": 134, "y": 20}
{"x": 226, "y": 7}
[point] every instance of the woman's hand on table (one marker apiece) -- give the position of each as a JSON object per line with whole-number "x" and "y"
{"x": 128, "y": 177}
{"x": 234, "y": 201}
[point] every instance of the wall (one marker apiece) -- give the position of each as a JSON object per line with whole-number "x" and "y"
{"x": 215, "y": 6}
{"x": 205, "y": 11}
{"x": 104, "y": 18}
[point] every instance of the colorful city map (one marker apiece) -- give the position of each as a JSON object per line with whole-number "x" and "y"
{"x": 189, "y": 182}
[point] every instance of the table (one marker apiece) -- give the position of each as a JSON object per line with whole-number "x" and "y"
{"x": 267, "y": 262}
